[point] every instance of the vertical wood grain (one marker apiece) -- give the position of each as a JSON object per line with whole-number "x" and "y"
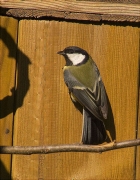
{"x": 8, "y": 40}
{"x": 47, "y": 115}
{"x": 138, "y": 135}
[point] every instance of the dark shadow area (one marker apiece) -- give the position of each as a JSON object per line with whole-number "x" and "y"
{"x": 4, "y": 175}
{"x": 109, "y": 122}
{"x": 10, "y": 104}
{"x": 101, "y": 22}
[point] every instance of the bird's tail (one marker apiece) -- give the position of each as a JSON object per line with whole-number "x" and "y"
{"x": 94, "y": 131}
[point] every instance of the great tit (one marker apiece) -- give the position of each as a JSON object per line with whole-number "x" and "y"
{"x": 85, "y": 85}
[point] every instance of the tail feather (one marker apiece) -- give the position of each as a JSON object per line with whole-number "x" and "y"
{"x": 94, "y": 131}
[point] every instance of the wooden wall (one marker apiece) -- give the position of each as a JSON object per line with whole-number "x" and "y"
{"x": 44, "y": 113}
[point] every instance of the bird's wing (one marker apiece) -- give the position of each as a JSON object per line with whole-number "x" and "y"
{"x": 94, "y": 100}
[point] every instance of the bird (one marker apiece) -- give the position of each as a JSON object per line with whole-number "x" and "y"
{"x": 83, "y": 79}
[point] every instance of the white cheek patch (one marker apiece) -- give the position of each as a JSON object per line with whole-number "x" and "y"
{"x": 76, "y": 58}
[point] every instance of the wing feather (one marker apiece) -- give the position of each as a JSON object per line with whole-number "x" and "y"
{"x": 94, "y": 99}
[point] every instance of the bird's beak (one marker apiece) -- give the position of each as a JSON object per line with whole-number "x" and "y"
{"x": 61, "y": 52}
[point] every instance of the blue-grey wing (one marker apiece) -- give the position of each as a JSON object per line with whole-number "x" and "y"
{"x": 94, "y": 99}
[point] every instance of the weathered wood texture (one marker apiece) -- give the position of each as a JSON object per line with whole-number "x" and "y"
{"x": 8, "y": 39}
{"x": 78, "y": 10}
{"x": 47, "y": 115}
{"x": 117, "y": 1}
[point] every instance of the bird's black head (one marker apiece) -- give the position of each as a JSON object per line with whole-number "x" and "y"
{"x": 74, "y": 55}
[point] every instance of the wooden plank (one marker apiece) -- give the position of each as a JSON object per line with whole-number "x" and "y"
{"x": 48, "y": 115}
{"x": 8, "y": 40}
{"x": 81, "y": 10}
{"x": 44, "y": 109}
{"x": 138, "y": 135}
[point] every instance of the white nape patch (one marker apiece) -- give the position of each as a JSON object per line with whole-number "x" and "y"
{"x": 76, "y": 58}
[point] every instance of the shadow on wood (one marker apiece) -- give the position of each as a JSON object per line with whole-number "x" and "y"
{"x": 13, "y": 102}
{"x": 3, "y": 172}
